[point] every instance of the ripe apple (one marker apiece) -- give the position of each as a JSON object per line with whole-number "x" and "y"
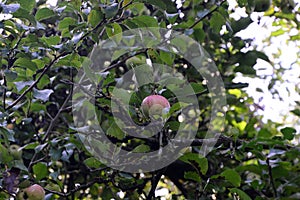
{"x": 15, "y": 151}
{"x": 155, "y": 105}
{"x": 262, "y": 5}
{"x": 33, "y": 192}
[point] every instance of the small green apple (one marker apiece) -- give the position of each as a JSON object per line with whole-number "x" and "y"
{"x": 15, "y": 151}
{"x": 155, "y": 105}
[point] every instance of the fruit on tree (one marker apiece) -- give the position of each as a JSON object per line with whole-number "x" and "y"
{"x": 33, "y": 192}
{"x": 15, "y": 151}
{"x": 262, "y": 5}
{"x": 10, "y": 126}
{"x": 155, "y": 105}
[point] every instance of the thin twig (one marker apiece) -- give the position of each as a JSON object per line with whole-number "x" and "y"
{"x": 123, "y": 60}
{"x": 45, "y": 69}
{"x": 5, "y": 89}
{"x": 56, "y": 117}
{"x": 213, "y": 9}
{"x": 81, "y": 187}
{"x": 271, "y": 178}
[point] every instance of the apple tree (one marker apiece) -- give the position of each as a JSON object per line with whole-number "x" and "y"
{"x": 72, "y": 68}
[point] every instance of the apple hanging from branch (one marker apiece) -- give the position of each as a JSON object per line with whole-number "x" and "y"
{"x": 155, "y": 105}
{"x": 15, "y": 151}
{"x": 33, "y": 192}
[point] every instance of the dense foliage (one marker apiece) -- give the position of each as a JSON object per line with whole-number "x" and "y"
{"x": 43, "y": 48}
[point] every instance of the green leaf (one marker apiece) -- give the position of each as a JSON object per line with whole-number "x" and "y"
{"x": 53, "y": 40}
{"x": 73, "y": 60}
{"x": 20, "y": 165}
{"x": 194, "y": 158}
{"x": 145, "y": 21}
{"x": 66, "y": 22}
{"x": 40, "y": 170}
{"x": 296, "y": 112}
{"x": 55, "y": 154}
{"x": 115, "y": 131}
{"x": 114, "y": 30}
{"x": 245, "y": 69}
{"x": 232, "y": 176}
{"x": 242, "y": 3}
{"x": 167, "y": 57}
{"x": 24, "y": 14}
{"x": 241, "y": 24}
{"x": 191, "y": 175}
{"x": 111, "y": 11}
{"x": 26, "y": 63}
{"x": 93, "y": 163}
{"x": 27, "y": 4}
{"x": 44, "y": 13}
{"x": 262, "y": 56}
{"x": 30, "y": 146}
{"x": 264, "y": 133}
{"x": 122, "y": 94}
{"x": 95, "y": 17}
{"x": 173, "y": 125}
{"x": 198, "y": 88}
{"x": 217, "y": 21}
{"x": 240, "y": 193}
{"x": 76, "y": 4}
{"x": 6, "y": 134}
{"x": 42, "y": 94}
{"x": 45, "y": 80}
{"x": 141, "y": 149}
{"x": 278, "y": 32}
{"x": 5, "y": 157}
{"x": 158, "y": 3}
{"x": 172, "y": 17}
{"x": 279, "y": 172}
{"x": 166, "y": 5}
{"x": 10, "y": 75}
{"x": 288, "y": 133}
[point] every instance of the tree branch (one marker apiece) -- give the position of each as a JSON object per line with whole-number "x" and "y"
{"x": 271, "y": 178}
{"x": 154, "y": 182}
{"x": 4, "y": 90}
{"x": 81, "y": 187}
{"x": 45, "y": 69}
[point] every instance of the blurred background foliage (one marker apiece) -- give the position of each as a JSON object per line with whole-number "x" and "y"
{"x": 42, "y": 48}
